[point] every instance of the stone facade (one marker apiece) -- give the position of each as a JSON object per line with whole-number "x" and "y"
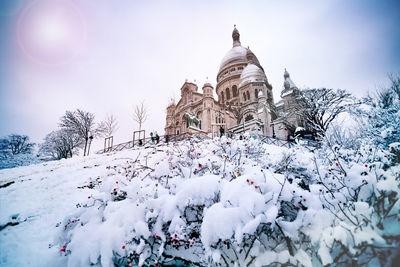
{"x": 245, "y": 99}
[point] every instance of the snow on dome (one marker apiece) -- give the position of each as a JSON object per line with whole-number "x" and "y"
{"x": 237, "y": 53}
{"x": 251, "y": 73}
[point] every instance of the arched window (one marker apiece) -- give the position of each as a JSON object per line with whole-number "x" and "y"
{"x": 248, "y": 117}
{"x": 222, "y": 97}
{"x": 234, "y": 91}
{"x": 244, "y": 96}
{"x": 248, "y": 95}
{"x": 256, "y": 93}
{"x": 228, "y": 94}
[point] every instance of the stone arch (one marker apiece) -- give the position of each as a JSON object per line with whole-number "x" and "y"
{"x": 248, "y": 117}
{"x": 222, "y": 97}
{"x": 256, "y": 93}
{"x": 244, "y": 96}
{"x": 248, "y": 95}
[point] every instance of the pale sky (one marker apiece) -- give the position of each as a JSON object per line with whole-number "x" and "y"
{"x": 105, "y": 56}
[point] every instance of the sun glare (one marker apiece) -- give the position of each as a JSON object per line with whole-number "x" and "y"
{"x": 51, "y": 32}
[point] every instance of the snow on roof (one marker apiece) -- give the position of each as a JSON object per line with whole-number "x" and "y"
{"x": 287, "y": 93}
{"x": 251, "y": 73}
{"x": 236, "y": 53}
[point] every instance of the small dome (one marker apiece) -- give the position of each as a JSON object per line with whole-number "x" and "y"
{"x": 252, "y": 73}
{"x": 207, "y": 84}
{"x": 288, "y": 83}
{"x": 235, "y": 54}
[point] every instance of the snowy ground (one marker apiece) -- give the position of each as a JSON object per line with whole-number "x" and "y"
{"x": 141, "y": 206}
{"x": 39, "y": 198}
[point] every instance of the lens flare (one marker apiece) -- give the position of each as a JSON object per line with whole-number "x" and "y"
{"x": 51, "y": 32}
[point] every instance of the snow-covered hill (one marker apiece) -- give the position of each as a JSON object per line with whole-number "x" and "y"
{"x": 201, "y": 202}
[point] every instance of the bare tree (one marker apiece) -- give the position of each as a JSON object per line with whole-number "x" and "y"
{"x": 237, "y": 112}
{"x": 140, "y": 114}
{"x": 60, "y": 144}
{"x": 318, "y": 108}
{"x": 19, "y": 144}
{"x": 322, "y": 106}
{"x": 4, "y": 148}
{"x": 108, "y": 126}
{"x": 81, "y": 123}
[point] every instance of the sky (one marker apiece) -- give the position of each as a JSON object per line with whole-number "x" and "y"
{"x": 107, "y": 56}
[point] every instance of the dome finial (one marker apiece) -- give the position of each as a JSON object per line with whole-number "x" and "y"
{"x": 236, "y": 36}
{"x": 286, "y": 74}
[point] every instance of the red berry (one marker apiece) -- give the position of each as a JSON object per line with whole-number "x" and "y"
{"x": 304, "y": 200}
{"x": 128, "y": 261}
{"x": 88, "y": 197}
{"x": 62, "y": 249}
{"x": 200, "y": 165}
{"x": 115, "y": 189}
{"x": 123, "y": 247}
{"x": 366, "y": 165}
{"x": 252, "y": 182}
{"x": 116, "y": 182}
{"x": 255, "y": 186}
{"x": 297, "y": 208}
{"x": 337, "y": 164}
{"x": 247, "y": 180}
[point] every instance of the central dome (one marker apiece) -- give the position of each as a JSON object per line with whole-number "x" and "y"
{"x": 235, "y": 55}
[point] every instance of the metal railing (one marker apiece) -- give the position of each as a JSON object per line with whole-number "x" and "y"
{"x": 148, "y": 141}
{"x": 165, "y": 139}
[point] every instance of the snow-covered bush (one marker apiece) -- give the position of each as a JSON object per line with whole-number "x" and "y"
{"x": 241, "y": 202}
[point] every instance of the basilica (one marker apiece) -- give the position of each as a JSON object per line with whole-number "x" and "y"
{"x": 245, "y": 101}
